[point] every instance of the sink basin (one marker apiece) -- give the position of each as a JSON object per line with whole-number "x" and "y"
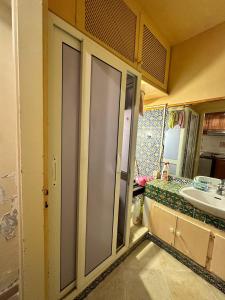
{"x": 209, "y": 202}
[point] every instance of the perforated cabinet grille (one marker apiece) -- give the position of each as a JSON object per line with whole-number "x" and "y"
{"x": 153, "y": 55}
{"x": 112, "y": 22}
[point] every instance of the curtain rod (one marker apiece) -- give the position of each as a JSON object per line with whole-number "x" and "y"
{"x": 151, "y": 107}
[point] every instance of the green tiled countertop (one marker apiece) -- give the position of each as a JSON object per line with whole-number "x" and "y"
{"x": 167, "y": 193}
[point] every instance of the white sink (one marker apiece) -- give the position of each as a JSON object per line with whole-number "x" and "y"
{"x": 207, "y": 201}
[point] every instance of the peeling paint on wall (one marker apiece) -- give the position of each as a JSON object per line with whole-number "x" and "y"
{"x": 8, "y": 221}
{"x": 9, "y": 268}
{"x": 8, "y": 225}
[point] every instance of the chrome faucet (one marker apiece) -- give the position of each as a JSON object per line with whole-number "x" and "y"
{"x": 221, "y": 187}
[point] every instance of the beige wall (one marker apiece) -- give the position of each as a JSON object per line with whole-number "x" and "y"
{"x": 8, "y": 153}
{"x": 197, "y": 68}
{"x": 214, "y": 144}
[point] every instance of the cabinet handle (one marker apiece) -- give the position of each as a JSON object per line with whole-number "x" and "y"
{"x": 172, "y": 230}
{"x": 54, "y": 171}
{"x": 178, "y": 233}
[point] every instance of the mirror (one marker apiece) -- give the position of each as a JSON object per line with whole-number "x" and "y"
{"x": 191, "y": 138}
{"x": 212, "y": 150}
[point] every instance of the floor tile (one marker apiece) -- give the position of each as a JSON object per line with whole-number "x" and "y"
{"x": 150, "y": 273}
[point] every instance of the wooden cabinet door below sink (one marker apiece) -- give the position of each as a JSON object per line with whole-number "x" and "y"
{"x": 192, "y": 240}
{"x": 218, "y": 262}
{"x": 163, "y": 223}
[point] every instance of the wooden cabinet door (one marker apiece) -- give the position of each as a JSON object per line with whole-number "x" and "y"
{"x": 214, "y": 121}
{"x": 205, "y": 124}
{"x": 163, "y": 223}
{"x": 218, "y": 263}
{"x": 65, "y": 9}
{"x": 112, "y": 24}
{"x": 192, "y": 240}
{"x": 153, "y": 54}
{"x": 219, "y": 169}
{"x": 222, "y": 121}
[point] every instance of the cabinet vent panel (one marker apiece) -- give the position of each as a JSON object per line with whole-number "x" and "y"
{"x": 153, "y": 56}
{"x": 112, "y": 22}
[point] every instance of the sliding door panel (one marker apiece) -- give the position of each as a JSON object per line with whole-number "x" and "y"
{"x": 91, "y": 116}
{"x": 69, "y": 162}
{"x": 125, "y": 168}
{"x": 103, "y": 142}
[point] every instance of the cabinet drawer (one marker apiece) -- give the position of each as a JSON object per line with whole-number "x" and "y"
{"x": 218, "y": 263}
{"x": 163, "y": 224}
{"x": 192, "y": 240}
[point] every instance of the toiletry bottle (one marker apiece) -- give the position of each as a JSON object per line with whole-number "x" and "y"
{"x": 156, "y": 174}
{"x": 165, "y": 172}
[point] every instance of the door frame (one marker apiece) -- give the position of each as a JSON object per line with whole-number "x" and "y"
{"x": 28, "y": 67}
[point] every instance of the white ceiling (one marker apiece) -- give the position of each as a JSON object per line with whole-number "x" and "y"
{"x": 179, "y": 20}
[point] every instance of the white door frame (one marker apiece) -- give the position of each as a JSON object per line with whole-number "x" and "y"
{"x": 28, "y": 59}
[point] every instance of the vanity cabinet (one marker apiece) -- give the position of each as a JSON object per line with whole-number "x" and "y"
{"x": 218, "y": 263}
{"x": 186, "y": 236}
{"x": 192, "y": 240}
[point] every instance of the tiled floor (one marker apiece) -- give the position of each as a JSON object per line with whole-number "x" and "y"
{"x": 150, "y": 273}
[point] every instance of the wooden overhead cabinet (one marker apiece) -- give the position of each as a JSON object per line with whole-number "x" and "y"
{"x": 122, "y": 28}
{"x": 113, "y": 24}
{"x": 214, "y": 122}
{"x": 65, "y": 9}
{"x": 153, "y": 55}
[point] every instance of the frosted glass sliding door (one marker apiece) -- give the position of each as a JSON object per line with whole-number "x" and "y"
{"x": 69, "y": 162}
{"x": 103, "y": 142}
{"x": 86, "y": 104}
{"x": 125, "y": 166}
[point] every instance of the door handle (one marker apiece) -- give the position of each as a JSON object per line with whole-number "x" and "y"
{"x": 54, "y": 171}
